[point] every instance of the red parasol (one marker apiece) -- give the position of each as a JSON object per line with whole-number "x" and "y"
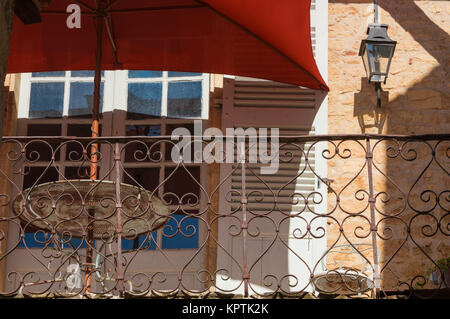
{"x": 267, "y": 39}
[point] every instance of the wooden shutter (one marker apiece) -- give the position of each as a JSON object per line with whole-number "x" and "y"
{"x": 294, "y": 176}
{"x": 264, "y": 94}
{"x": 256, "y": 103}
{"x": 266, "y": 104}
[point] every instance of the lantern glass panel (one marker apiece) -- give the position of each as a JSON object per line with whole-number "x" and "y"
{"x": 366, "y": 63}
{"x": 378, "y": 56}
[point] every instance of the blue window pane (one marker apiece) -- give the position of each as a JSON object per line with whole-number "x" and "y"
{"x": 145, "y": 98}
{"x": 49, "y": 74}
{"x": 149, "y": 241}
{"x": 85, "y": 73}
{"x": 46, "y": 100}
{"x": 127, "y": 244}
{"x": 82, "y": 98}
{"x": 145, "y": 242}
{"x": 33, "y": 241}
{"x": 144, "y": 74}
{"x": 184, "y": 99}
{"x": 176, "y": 74}
{"x": 77, "y": 243}
{"x": 187, "y": 236}
{"x": 38, "y": 240}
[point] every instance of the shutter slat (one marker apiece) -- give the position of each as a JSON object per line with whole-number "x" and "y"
{"x": 273, "y": 96}
{"x": 285, "y": 185}
{"x": 276, "y": 103}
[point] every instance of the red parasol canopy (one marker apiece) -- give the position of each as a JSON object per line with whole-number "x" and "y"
{"x": 267, "y": 39}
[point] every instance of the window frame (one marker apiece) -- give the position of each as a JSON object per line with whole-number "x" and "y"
{"x": 115, "y": 95}
{"x": 119, "y": 127}
{"x": 27, "y": 80}
{"x": 120, "y": 93}
{"x": 115, "y": 91}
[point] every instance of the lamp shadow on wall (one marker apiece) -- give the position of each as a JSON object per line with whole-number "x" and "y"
{"x": 367, "y": 112}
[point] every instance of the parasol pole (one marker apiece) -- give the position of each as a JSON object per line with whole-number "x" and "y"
{"x": 98, "y": 19}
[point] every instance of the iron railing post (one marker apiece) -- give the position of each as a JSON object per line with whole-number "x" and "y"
{"x": 244, "y": 225}
{"x": 373, "y": 225}
{"x": 120, "y": 274}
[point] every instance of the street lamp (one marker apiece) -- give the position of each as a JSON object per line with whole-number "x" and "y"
{"x": 377, "y": 51}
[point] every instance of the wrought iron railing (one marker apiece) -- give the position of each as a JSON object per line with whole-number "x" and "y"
{"x": 359, "y": 215}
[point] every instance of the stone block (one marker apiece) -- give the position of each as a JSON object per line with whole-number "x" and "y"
{"x": 425, "y": 99}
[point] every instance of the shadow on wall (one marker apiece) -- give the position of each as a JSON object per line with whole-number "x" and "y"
{"x": 420, "y": 109}
{"x": 418, "y": 197}
{"x": 367, "y": 112}
{"x": 412, "y": 179}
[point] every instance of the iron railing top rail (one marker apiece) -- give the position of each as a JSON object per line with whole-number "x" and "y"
{"x": 283, "y": 138}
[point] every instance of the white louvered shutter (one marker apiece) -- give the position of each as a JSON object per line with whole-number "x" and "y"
{"x": 259, "y": 103}
{"x": 294, "y": 176}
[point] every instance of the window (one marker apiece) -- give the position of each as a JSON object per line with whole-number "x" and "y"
{"x": 142, "y": 103}
{"x": 58, "y": 94}
{"x": 143, "y": 94}
{"x": 160, "y": 174}
{"x": 154, "y": 94}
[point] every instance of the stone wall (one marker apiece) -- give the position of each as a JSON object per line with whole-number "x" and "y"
{"x": 417, "y": 88}
{"x": 415, "y": 101}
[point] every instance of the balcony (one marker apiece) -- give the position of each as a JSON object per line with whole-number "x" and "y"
{"x": 363, "y": 216}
